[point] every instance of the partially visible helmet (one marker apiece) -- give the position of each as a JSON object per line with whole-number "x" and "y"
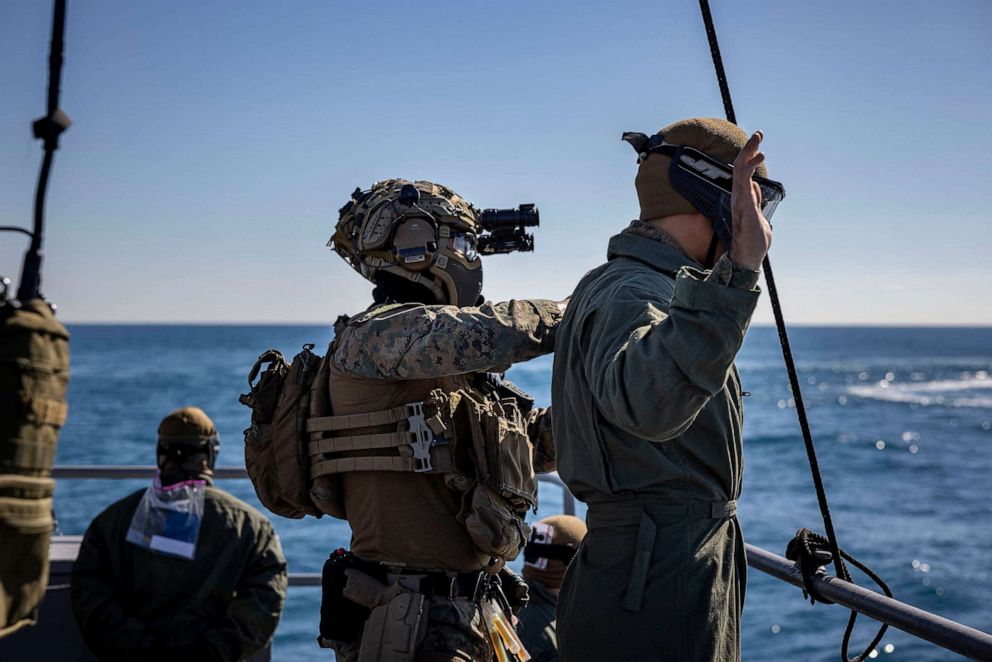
{"x": 418, "y": 232}
{"x": 187, "y": 445}
{"x": 553, "y": 542}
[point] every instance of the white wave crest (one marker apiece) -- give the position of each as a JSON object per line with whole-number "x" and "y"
{"x": 940, "y": 392}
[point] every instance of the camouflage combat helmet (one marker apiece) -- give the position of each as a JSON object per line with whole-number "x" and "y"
{"x": 420, "y": 231}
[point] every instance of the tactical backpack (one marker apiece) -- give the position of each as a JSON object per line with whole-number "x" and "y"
{"x": 34, "y": 374}
{"x": 275, "y": 442}
{"x": 277, "y": 457}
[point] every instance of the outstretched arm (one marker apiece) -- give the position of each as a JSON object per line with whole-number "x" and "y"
{"x": 419, "y": 342}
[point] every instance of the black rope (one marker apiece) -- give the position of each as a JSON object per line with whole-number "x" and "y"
{"x": 830, "y": 541}
{"x": 14, "y": 228}
{"x": 47, "y": 129}
{"x": 810, "y": 552}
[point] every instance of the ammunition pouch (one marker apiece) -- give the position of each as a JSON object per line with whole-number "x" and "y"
{"x": 34, "y": 374}
{"x": 505, "y": 485}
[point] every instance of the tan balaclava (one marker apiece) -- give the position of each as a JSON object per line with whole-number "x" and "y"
{"x": 187, "y": 446}
{"x": 715, "y": 137}
{"x": 553, "y": 542}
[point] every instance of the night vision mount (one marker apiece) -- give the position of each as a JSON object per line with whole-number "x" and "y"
{"x": 507, "y": 229}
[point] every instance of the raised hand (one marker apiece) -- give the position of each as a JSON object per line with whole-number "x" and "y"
{"x": 752, "y": 234}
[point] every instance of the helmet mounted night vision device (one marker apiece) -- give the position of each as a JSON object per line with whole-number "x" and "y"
{"x": 425, "y": 234}
{"x": 707, "y": 183}
{"x": 507, "y": 229}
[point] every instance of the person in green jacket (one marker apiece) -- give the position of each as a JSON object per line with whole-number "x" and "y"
{"x": 647, "y": 404}
{"x": 181, "y": 569}
{"x": 552, "y": 544}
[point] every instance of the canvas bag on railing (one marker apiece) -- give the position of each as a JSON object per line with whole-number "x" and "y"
{"x": 34, "y": 373}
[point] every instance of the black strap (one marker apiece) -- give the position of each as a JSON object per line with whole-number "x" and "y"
{"x": 551, "y": 551}
{"x": 48, "y": 129}
{"x": 821, "y": 496}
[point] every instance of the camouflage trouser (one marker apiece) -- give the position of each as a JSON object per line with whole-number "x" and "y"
{"x": 454, "y": 634}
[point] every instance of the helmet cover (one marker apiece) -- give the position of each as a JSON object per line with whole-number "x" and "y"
{"x": 420, "y": 231}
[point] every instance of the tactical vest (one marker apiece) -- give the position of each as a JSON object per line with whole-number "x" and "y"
{"x": 470, "y": 428}
{"x": 34, "y": 373}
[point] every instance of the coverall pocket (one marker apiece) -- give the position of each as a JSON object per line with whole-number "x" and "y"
{"x": 647, "y": 530}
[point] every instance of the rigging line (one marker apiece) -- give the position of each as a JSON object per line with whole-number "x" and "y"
{"x": 48, "y": 129}
{"x": 790, "y": 365}
{"x": 15, "y": 228}
{"x": 783, "y": 335}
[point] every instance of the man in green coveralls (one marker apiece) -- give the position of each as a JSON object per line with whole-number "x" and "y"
{"x": 648, "y": 407}
{"x": 223, "y": 604}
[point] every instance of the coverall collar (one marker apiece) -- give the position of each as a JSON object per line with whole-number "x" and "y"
{"x": 655, "y": 254}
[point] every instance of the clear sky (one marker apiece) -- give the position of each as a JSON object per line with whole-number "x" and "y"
{"x": 213, "y": 143}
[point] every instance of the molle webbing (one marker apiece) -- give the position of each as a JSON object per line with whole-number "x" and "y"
{"x": 359, "y": 442}
{"x": 414, "y": 438}
{"x": 352, "y": 421}
{"x": 440, "y": 461}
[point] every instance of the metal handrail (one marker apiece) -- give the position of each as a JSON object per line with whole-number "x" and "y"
{"x": 122, "y": 471}
{"x": 938, "y": 630}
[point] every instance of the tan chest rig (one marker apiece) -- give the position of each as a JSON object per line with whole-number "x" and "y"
{"x": 473, "y": 430}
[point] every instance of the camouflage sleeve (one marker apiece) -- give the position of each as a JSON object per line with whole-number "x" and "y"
{"x": 422, "y": 342}
{"x": 539, "y": 431}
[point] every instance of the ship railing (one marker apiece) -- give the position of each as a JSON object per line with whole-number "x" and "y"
{"x": 949, "y": 635}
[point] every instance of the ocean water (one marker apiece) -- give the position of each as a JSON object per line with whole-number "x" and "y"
{"x": 902, "y": 419}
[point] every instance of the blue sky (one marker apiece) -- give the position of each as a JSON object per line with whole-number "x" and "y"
{"x": 213, "y": 143}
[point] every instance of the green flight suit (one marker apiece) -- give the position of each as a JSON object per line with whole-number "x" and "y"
{"x": 536, "y": 623}
{"x": 224, "y": 604}
{"x": 647, "y": 428}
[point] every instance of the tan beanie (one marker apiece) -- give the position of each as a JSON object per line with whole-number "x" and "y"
{"x": 187, "y": 424}
{"x": 187, "y": 445}
{"x": 715, "y": 137}
{"x": 563, "y": 531}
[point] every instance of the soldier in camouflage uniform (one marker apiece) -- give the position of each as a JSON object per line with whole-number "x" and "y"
{"x": 428, "y": 334}
{"x": 648, "y": 404}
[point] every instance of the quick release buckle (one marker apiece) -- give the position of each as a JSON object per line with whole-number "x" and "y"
{"x": 422, "y": 438}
